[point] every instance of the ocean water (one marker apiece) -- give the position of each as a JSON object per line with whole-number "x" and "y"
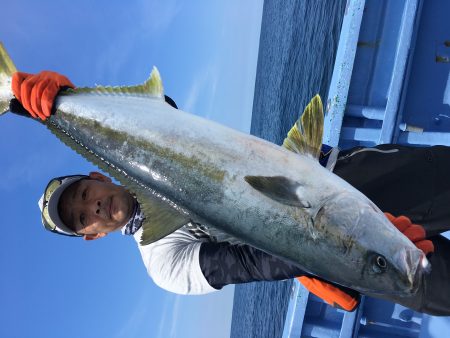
{"x": 297, "y": 49}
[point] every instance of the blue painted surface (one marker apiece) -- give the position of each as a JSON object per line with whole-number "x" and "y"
{"x": 386, "y": 37}
{"x": 427, "y": 94}
{"x": 339, "y": 86}
{"x": 391, "y": 84}
{"x": 296, "y": 311}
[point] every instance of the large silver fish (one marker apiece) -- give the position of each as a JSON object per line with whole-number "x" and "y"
{"x": 182, "y": 167}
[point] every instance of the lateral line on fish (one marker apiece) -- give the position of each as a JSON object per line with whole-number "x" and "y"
{"x": 134, "y": 186}
{"x": 94, "y": 158}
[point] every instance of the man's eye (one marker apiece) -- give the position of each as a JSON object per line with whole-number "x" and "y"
{"x": 84, "y": 194}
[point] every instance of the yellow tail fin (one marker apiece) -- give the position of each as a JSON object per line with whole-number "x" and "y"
{"x": 7, "y": 68}
{"x": 305, "y": 137}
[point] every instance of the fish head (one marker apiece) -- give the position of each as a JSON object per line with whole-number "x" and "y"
{"x": 371, "y": 255}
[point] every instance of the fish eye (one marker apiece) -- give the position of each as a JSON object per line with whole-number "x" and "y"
{"x": 379, "y": 264}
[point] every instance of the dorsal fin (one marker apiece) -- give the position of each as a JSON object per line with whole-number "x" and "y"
{"x": 305, "y": 137}
{"x": 152, "y": 87}
{"x": 154, "y": 84}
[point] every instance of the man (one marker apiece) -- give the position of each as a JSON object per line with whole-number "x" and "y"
{"x": 195, "y": 260}
{"x": 89, "y": 206}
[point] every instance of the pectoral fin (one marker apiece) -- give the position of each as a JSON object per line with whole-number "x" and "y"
{"x": 278, "y": 188}
{"x": 305, "y": 137}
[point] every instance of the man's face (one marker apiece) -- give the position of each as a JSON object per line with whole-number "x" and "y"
{"x": 95, "y": 206}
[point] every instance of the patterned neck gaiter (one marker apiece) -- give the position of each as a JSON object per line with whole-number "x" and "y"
{"x": 135, "y": 222}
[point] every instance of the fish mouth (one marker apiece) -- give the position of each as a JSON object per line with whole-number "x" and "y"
{"x": 423, "y": 268}
{"x": 416, "y": 268}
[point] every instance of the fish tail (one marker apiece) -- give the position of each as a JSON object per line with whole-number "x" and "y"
{"x": 7, "y": 68}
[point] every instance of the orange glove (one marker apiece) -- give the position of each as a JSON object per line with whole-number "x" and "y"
{"x": 37, "y": 92}
{"x": 414, "y": 232}
{"x": 331, "y": 294}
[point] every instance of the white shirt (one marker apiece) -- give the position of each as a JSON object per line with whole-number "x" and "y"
{"x": 173, "y": 263}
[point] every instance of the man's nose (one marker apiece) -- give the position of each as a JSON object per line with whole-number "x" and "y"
{"x": 96, "y": 206}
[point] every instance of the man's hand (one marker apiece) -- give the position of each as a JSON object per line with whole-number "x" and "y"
{"x": 414, "y": 232}
{"x": 37, "y": 92}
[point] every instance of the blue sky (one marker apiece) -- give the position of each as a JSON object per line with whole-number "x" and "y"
{"x": 53, "y": 286}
